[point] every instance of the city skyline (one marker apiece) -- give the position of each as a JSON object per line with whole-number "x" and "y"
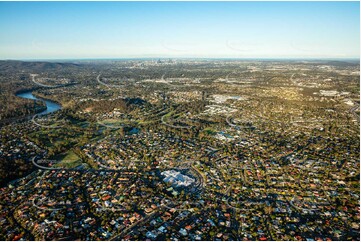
{"x": 77, "y": 30}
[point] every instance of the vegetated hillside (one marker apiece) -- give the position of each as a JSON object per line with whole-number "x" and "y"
{"x": 13, "y": 65}
{"x": 335, "y": 63}
{"x": 342, "y": 63}
{"x": 13, "y": 107}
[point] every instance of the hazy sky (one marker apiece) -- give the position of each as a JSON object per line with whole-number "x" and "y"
{"x": 179, "y": 29}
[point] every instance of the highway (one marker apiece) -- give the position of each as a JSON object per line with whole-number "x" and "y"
{"x": 40, "y": 84}
{"x": 353, "y": 112}
{"x": 75, "y": 169}
{"x": 108, "y": 85}
{"x": 174, "y": 126}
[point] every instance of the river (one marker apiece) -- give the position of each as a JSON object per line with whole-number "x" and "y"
{"x": 50, "y": 106}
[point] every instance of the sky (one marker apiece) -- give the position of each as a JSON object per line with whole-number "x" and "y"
{"x": 75, "y": 30}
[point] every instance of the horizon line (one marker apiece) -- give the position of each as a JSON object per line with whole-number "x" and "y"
{"x": 181, "y": 58}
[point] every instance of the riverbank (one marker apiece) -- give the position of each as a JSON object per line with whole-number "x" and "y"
{"x": 51, "y": 106}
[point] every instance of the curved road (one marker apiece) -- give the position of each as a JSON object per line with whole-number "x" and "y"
{"x": 174, "y": 126}
{"x": 75, "y": 169}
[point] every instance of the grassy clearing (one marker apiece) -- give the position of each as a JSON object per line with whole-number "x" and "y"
{"x": 169, "y": 114}
{"x": 68, "y": 160}
{"x": 209, "y": 131}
